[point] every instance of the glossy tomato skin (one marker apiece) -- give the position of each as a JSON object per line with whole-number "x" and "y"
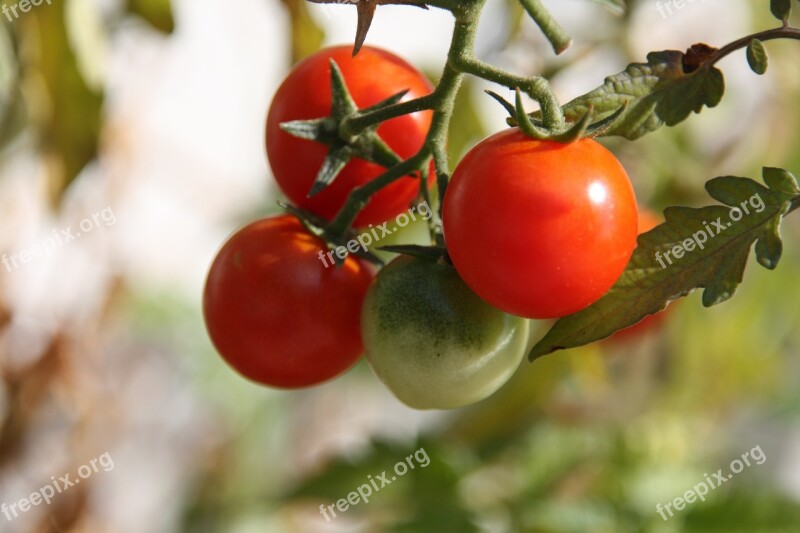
{"x": 538, "y": 228}
{"x": 276, "y": 314}
{"x": 372, "y": 76}
{"x": 432, "y": 341}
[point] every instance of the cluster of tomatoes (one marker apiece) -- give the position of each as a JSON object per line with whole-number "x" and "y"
{"x": 533, "y": 229}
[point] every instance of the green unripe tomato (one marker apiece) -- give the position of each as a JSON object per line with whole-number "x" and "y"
{"x": 432, "y": 341}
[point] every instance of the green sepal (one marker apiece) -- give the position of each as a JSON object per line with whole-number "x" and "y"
{"x": 367, "y": 145}
{"x": 525, "y": 123}
{"x": 334, "y": 162}
{"x": 508, "y": 106}
{"x": 315, "y": 225}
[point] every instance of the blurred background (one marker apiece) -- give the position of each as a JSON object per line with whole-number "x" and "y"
{"x": 131, "y": 145}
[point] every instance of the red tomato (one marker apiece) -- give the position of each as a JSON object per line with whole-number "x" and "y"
{"x": 539, "y": 228}
{"x": 276, "y": 314}
{"x": 372, "y": 76}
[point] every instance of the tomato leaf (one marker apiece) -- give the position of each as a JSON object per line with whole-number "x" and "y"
{"x": 781, "y": 9}
{"x": 665, "y": 90}
{"x": 695, "y": 248}
{"x": 757, "y": 57}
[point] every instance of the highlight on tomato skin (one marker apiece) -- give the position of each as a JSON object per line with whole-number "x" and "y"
{"x": 539, "y": 229}
{"x": 371, "y": 77}
{"x": 276, "y": 314}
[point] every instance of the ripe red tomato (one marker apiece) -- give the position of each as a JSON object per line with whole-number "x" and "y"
{"x": 371, "y": 77}
{"x": 539, "y": 228}
{"x": 276, "y": 314}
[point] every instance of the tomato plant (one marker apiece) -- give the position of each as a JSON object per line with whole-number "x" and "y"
{"x": 538, "y": 228}
{"x": 371, "y": 77}
{"x": 432, "y": 341}
{"x": 538, "y": 221}
{"x": 276, "y": 314}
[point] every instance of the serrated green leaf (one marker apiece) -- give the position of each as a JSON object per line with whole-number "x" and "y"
{"x": 158, "y": 13}
{"x": 757, "y": 57}
{"x": 780, "y": 180}
{"x": 731, "y": 190}
{"x": 656, "y": 93}
{"x": 695, "y": 248}
{"x": 770, "y": 247}
{"x": 781, "y": 9}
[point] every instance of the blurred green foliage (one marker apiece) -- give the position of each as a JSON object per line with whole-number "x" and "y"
{"x": 584, "y": 441}
{"x": 44, "y": 91}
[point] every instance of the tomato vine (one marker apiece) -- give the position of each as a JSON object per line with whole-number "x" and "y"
{"x": 665, "y": 90}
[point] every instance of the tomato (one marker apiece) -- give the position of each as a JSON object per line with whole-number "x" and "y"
{"x": 647, "y": 221}
{"x": 538, "y": 228}
{"x": 276, "y": 314}
{"x": 432, "y": 341}
{"x": 371, "y": 77}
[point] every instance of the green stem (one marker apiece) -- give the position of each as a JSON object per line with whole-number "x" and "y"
{"x": 461, "y": 60}
{"x": 360, "y": 196}
{"x": 436, "y": 141}
{"x": 784, "y": 32}
{"x": 558, "y": 38}
{"x": 536, "y": 87}
{"x": 357, "y": 123}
